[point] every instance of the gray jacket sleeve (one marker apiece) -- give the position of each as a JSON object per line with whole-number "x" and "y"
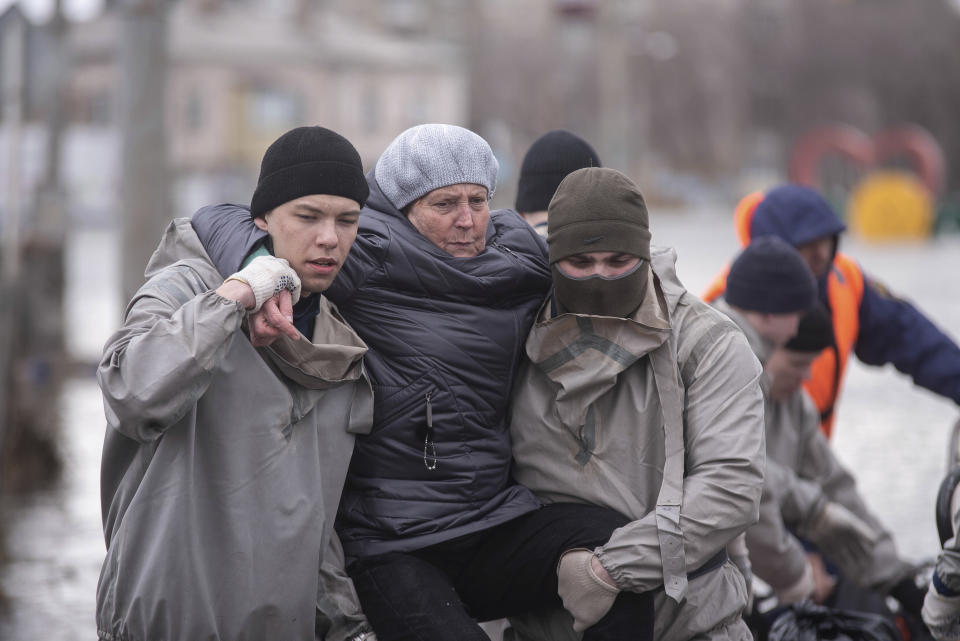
{"x": 948, "y": 563}
{"x": 339, "y": 617}
{"x": 724, "y": 456}
{"x": 160, "y": 362}
{"x": 800, "y": 499}
{"x": 776, "y": 555}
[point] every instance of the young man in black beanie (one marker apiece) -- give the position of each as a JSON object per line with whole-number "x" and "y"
{"x": 771, "y": 289}
{"x": 638, "y": 397}
{"x": 547, "y": 162}
{"x": 809, "y": 497}
{"x": 224, "y": 459}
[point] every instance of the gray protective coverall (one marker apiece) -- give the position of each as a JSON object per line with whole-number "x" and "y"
{"x": 658, "y": 416}
{"x": 803, "y": 474}
{"x": 223, "y": 463}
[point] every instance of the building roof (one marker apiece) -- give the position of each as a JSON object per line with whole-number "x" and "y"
{"x": 248, "y": 35}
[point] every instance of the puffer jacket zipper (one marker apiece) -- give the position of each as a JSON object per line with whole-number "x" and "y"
{"x": 429, "y": 448}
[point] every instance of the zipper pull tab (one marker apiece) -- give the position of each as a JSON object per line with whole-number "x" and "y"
{"x": 429, "y": 412}
{"x": 429, "y": 448}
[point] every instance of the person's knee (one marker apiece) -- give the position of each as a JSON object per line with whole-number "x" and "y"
{"x": 630, "y": 617}
{"x": 393, "y": 562}
{"x": 394, "y": 572}
{"x": 588, "y": 525}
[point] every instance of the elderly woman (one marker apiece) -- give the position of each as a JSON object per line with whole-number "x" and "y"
{"x": 443, "y": 292}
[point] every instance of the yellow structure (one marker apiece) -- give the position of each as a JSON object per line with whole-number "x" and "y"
{"x": 891, "y": 205}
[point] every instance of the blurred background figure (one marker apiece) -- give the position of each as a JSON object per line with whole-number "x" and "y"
{"x": 868, "y": 320}
{"x": 548, "y": 161}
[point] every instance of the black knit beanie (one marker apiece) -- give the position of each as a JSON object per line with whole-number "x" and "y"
{"x": 597, "y": 210}
{"x": 815, "y": 333}
{"x": 306, "y": 161}
{"x": 769, "y": 276}
{"x": 548, "y": 161}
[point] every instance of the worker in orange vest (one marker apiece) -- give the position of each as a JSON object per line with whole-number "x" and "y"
{"x": 868, "y": 320}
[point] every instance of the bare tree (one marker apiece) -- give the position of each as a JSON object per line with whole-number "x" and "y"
{"x": 868, "y": 64}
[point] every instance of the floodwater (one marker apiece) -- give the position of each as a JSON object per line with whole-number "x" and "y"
{"x": 892, "y": 434}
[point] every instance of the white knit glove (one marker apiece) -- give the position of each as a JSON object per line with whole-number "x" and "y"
{"x": 841, "y": 534}
{"x": 584, "y": 594}
{"x": 268, "y": 276}
{"x": 942, "y": 615}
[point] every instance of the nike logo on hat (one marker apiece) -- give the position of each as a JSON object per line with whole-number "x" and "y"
{"x": 589, "y": 240}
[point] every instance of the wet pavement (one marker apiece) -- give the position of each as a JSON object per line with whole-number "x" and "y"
{"x": 54, "y": 538}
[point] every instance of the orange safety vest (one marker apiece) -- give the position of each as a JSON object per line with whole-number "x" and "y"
{"x": 845, "y": 285}
{"x": 844, "y": 294}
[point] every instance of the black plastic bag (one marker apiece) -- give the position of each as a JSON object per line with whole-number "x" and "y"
{"x": 809, "y": 622}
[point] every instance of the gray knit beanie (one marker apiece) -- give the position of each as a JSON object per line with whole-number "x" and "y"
{"x": 427, "y": 157}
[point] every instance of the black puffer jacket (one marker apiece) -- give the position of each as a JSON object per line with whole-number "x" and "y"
{"x": 445, "y": 336}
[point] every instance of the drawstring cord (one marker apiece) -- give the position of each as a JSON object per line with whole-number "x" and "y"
{"x": 429, "y": 449}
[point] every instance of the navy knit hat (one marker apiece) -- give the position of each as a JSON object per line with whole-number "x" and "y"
{"x": 815, "y": 333}
{"x": 795, "y": 213}
{"x": 306, "y": 161}
{"x": 548, "y": 161}
{"x": 769, "y": 276}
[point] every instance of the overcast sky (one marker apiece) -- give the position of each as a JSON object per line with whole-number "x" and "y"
{"x": 39, "y": 10}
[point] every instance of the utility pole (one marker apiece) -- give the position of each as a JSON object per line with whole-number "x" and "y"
{"x": 145, "y": 204}
{"x": 618, "y": 115}
{"x": 14, "y": 45}
{"x": 42, "y": 252}
{"x": 35, "y": 282}
{"x": 50, "y": 219}
{"x": 14, "y": 41}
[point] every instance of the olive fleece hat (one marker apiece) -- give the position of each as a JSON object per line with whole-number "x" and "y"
{"x": 548, "y": 161}
{"x": 771, "y": 277}
{"x": 428, "y": 157}
{"x": 597, "y": 210}
{"x": 306, "y": 161}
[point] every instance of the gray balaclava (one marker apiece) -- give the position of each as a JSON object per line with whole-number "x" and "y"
{"x": 599, "y": 210}
{"x": 428, "y": 157}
